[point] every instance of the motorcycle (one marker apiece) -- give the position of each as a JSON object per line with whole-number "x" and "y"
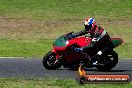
{"x": 62, "y": 54}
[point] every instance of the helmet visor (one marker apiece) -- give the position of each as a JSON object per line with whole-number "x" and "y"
{"x": 88, "y": 27}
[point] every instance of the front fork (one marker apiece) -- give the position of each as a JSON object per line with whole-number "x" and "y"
{"x": 58, "y": 57}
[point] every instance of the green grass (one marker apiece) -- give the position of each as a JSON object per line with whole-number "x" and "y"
{"x": 24, "y": 48}
{"x": 53, "y": 83}
{"x": 65, "y": 9}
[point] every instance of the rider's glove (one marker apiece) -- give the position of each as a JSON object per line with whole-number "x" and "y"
{"x": 71, "y": 36}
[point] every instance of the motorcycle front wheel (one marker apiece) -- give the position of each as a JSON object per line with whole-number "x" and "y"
{"x": 49, "y": 61}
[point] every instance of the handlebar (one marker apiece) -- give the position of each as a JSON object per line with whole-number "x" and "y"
{"x": 69, "y": 35}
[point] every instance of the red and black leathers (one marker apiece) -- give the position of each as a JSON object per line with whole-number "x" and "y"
{"x": 103, "y": 41}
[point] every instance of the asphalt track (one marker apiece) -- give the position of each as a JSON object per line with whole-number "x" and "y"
{"x": 32, "y": 68}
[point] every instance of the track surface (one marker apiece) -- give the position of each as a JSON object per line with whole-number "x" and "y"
{"x": 20, "y": 67}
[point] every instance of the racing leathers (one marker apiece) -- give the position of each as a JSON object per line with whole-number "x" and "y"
{"x": 100, "y": 40}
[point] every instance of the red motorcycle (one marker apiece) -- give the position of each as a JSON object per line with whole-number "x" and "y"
{"x": 62, "y": 54}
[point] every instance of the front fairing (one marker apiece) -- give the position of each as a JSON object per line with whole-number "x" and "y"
{"x": 61, "y": 41}
{"x": 83, "y": 41}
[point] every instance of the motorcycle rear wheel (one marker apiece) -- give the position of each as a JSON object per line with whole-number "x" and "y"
{"x": 49, "y": 61}
{"x": 110, "y": 61}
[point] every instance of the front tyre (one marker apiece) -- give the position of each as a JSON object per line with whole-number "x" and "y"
{"x": 109, "y": 60}
{"x": 49, "y": 61}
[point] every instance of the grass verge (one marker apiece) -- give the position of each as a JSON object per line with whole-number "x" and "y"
{"x": 52, "y": 83}
{"x": 65, "y": 9}
{"x": 24, "y": 48}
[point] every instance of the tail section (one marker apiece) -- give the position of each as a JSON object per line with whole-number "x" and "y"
{"x": 116, "y": 41}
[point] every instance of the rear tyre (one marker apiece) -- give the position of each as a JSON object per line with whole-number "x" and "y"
{"x": 110, "y": 60}
{"x": 49, "y": 61}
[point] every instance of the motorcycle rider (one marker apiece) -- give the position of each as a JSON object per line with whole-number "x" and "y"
{"x": 100, "y": 38}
